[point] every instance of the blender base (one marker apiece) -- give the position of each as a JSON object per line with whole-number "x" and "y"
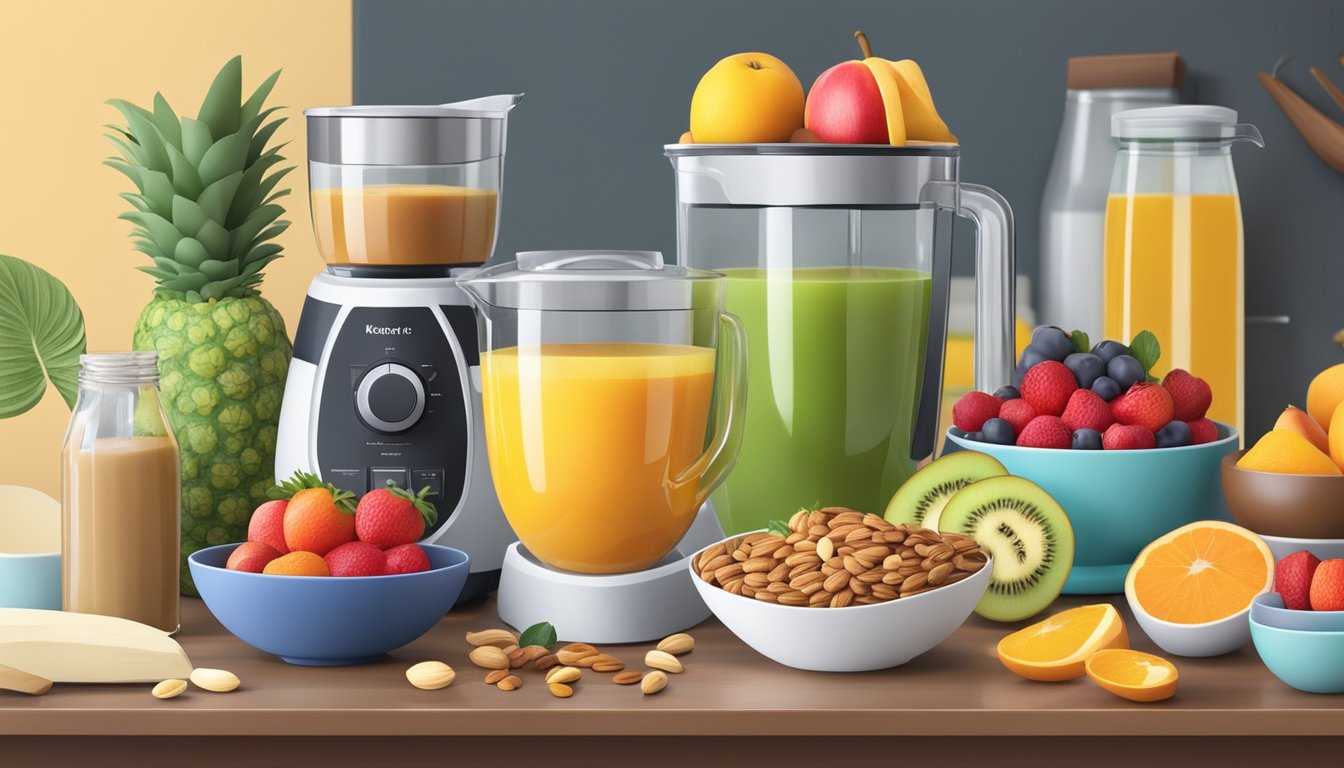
{"x": 617, "y": 608}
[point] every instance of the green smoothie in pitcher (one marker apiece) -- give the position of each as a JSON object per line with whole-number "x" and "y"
{"x": 836, "y": 360}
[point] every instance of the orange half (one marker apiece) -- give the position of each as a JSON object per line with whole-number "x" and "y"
{"x": 1202, "y": 572}
{"x": 1056, "y": 649}
{"x": 1133, "y": 675}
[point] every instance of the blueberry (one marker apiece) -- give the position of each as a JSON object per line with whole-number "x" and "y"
{"x": 998, "y": 431}
{"x": 1086, "y": 440}
{"x": 975, "y": 437}
{"x": 1126, "y": 371}
{"x": 1007, "y": 392}
{"x": 1107, "y": 350}
{"x": 955, "y": 432}
{"x": 1030, "y": 356}
{"x": 1174, "y": 434}
{"x": 1106, "y": 388}
{"x": 1086, "y": 368}
{"x": 1051, "y": 342}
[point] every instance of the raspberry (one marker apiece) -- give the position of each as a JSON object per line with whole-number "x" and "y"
{"x": 1047, "y": 387}
{"x": 356, "y": 558}
{"x": 1086, "y": 410}
{"x": 1144, "y": 405}
{"x": 1046, "y": 432}
{"x": 406, "y": 558}
{"x": 1203, "y": 431}
{"x": 974, "y": 409}
{"x": 1190, "y": 395}
{"x": 1121, "y": 437}
{"x": 1019, "y": 413}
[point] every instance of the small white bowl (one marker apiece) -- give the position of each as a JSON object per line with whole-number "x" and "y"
{"x": 1212, "y": 638}
{"x": 858, "y": 638}
{"x": 30, "y": 549}
{"x": 1324, "y": 549}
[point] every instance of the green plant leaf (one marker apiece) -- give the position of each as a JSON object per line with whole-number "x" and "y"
{"x": 779, "y": 527}
{"x": 224, "y": 158}
{"x": 217, "y": 197}
{"x": 542, "y": 634}
{"x": 252, "y": 107}
{"x": 196, "y": 139}
{"x": 1080, "y": 341}
{"x": 166, "y": 119}
{"x": 41, "y": 337}
{"x": 223, "y": 102}
{"x": 1146, "y": 349}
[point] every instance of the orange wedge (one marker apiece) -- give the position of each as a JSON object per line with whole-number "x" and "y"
{"x": 1133, "y": 675}
{"x": 1055, "y": 649}
{"x": 1201, "y": 572}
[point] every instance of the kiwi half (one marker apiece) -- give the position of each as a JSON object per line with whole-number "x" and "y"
{"x": 921, "y": 499}
{"x": 1028, "y": 534}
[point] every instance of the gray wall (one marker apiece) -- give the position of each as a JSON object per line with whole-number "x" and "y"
{"x": 609, "y": 81}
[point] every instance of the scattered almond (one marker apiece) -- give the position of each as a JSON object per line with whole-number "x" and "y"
{"x": 214, "y": 680}
{"x": 489, "y": 657}
{"x": 653, "y": 682}
{"x": 510, "y": 683}
{"x": 430, "y": 675}
{"x": 495, "y": 675}
{"x": 563, "y": 675}
{"x": 662, "y": 660}
{"x": 560, "y": 690}
{"x": 677, "y": 644}
{"x": 169, "y": 689}
{"x": 499, "y": 638}
{"x": 573, "y": 657}
{"x": 612, "y": 665}
{"x": 544, "y": 663}
{"x": 628, "y": 677}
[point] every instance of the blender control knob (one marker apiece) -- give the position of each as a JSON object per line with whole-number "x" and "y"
{"x": 390, "y": 397}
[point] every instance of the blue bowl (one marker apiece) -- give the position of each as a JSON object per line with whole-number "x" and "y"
{"x": 329, "y": 621}
{"x": 1120, "y": 501}
{"x": 1308, "y": 661}
{"x": 1268, "y": 610}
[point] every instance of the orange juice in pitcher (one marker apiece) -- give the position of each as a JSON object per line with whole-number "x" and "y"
{"x": 1173, "y": 255}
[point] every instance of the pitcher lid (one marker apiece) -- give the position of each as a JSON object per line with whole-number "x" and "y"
{"x": 413, "y": 134}
{"x": 1180, "y": 122}
{"x": 593, "y": 281}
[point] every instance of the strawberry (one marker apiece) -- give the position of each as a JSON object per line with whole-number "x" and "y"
{"x": 973, "y": 409}
{"x": 1046, "y": 432}
{"x": 1145, "y": 405}
{"x": 251, "y": 557}
{"x": 1202, "y": 431}
{"x": 1292, "y": 579}
{"x": 1120, "y": 437}
{"x": 356, "y": 558}
{"x": 1047, "y": 387}
{"x": 1190, "y": 395}
{"x": 390, "y": 516}
{"x": 407, "y": 558}
{"x": 1086, "y": 410}
{"x": 268, "y": 525}
{"x": 319, "y": 517}
{"x": 1017, "y": 412}
{"x": 1327, "y": 586}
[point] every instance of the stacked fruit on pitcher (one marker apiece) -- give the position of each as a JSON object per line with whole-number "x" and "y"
{"x": 1067, "y": 393}
{"x": 311, "y": 528}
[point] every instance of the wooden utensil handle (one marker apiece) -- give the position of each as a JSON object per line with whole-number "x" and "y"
{"x": 12, "y": 679}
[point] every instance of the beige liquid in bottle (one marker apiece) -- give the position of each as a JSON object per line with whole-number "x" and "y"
{"x": 121, "y": 533}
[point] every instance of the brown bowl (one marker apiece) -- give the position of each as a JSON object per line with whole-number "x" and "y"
{"x": 1293, "y": 506}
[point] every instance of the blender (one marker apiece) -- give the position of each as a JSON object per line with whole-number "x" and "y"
{"x": 385, "y": 381}
{"x": 611, "y": 413}
{"x": 838, "y": 260}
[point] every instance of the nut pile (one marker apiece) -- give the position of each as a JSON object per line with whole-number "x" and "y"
{"x": 835, "y": 557}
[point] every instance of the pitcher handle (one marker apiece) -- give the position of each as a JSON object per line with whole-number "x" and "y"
{"x": 995, "y": 302}
{"x": 731, "y": 384}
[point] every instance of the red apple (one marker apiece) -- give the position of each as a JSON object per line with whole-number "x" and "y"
{"x": 251, "y": 556}
{"x": 845, "y": 106}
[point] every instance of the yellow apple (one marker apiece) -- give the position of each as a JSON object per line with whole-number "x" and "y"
{"x": 747, "y": 98}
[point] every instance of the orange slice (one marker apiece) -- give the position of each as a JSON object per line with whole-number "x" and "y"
{"x": 1202, "y": 572}
{"x": 1055, "y": 649}
{"x": 1133, "y": 675}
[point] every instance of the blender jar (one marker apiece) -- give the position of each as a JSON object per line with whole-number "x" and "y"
{"x": 1174, "y": 251}
{"x": 599, "y": 376}
{"x": 836, "y": 266}
{"x": 407, "y": 186}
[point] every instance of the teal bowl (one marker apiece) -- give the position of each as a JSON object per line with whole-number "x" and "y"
{"x": 1306, "y": 660}
{"x": 1120, "y": 501}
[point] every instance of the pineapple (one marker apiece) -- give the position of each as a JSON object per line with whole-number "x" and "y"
{"x": 205, "y": 214}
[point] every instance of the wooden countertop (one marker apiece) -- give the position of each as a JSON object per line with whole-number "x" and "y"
{"x": 957, "y": 689}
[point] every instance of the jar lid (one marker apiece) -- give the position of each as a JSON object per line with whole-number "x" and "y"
{"x": 1182, "y": 122}
{"x": 594, "y": 281}
{"x": 120, "y": 367}
{"x": 426, "y": 134}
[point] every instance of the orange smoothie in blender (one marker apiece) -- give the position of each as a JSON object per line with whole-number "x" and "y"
{"x": 585, "y": 440}
{"x": 405, "y": 224}
{"x": 1173, "y": 266}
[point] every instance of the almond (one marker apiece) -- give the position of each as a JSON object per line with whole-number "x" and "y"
{"x": 677, "y": 644}
{"x": 628, "y": 677}
{"x": 563, "y": 675}
{"x": 510, "y": 683}
{"x": 662, "y": 660}
{"x": 560, "y": 690}
{"x": 615, "y": 665}
{"x": 545, "y": 662}
{"x": 214, "y": 680}
{"x": 489, "y": 657}
{"x": 495, "y": 675}
{"x": 500, "y": 638}
{"x": 169, "y": 689}
{"x": 430, "y": 675}
{"x": 653, "y": 682}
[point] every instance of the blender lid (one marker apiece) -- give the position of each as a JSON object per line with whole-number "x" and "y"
{"x": 593, "y": 281}
{"x": 425, "y": 134}
{"x": 1181, "y": 122}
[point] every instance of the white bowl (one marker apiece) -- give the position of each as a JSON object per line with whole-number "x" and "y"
{"x": 1212, "y": 638}
{"x": 858, "y": 638}
{"x": 1324, "y": 549}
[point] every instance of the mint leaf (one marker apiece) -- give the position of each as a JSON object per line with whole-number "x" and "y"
{"x": 778, "y": 527}
{"x": 1145, "y": 349}
{"x": 542, "y": 634}
{"x": 1080, "y": 341}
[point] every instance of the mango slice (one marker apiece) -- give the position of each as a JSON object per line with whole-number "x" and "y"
{"x": 921, "y": 117}
{"x": 889, "y": 84}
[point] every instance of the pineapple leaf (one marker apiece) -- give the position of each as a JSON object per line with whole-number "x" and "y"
{"x": 158, "y": 274}
{"x": 186, "y": 283}
{"x": 262, "y": 136}
{"x": 221, "y": 289}
{"x": 196, "y": 139}
{"x": 225, "y": 157}
{"x": 254, "y": 187}
{"x": 135, "y": 200}
{"x": 130, "y": 152}
{"x": 252, "y": 107}
{"x": 270, "y": 233}
{"x": 186, "y": 181}
{"x": 127, "y": 110}
{"x": 188, "y": 216}
{"x": 146, "y": 134}
{"x": 120, "y": 129}
{"x": 215, "y": 238}
{"x": 161, "y": 231}
{"x": 263, "y": 251}
{"x": 219, "y": 270}
{"x": 166, "y": 120}
{"x": 255, "y": 266}
{"x": 166, "y": 265}
{"x": 277, "y": 196}
{"x": 190, "y": 252}
{"x": 217, "y": 197}
{"x": 242, "y": 236}
{"x": 158, "y": 192}
{"x": 132, "y": 172}
{"x": 222, "y": 107}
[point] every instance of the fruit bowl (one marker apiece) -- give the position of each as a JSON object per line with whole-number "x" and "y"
{"x": 1268, "y": 610}
{"x": 1282, "y": 505}
{"x": 1119, "y": 501}
{"x": 857, "y": 638}
{"x": 1323, "y": 549}
{"x": 326, "y": 620}
{"x": 1311, "y": 661}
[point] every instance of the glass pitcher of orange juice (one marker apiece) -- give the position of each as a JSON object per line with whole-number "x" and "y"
{"x": 1173, "y": 256}
{"x": 609, "y": 414}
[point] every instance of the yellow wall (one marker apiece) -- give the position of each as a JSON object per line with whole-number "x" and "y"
{"x": 59, "y": 61}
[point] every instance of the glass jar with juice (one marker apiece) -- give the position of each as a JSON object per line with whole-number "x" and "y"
{"x": 609, "y": 414}
{"x": 1173, "y": 254}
